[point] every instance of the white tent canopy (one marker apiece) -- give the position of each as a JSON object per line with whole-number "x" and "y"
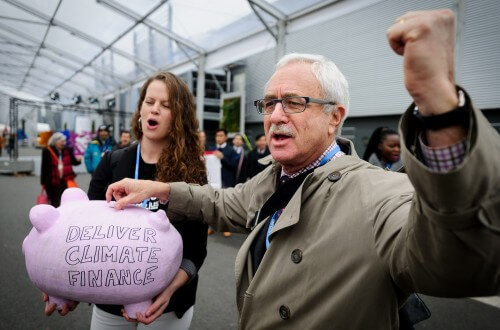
{"x": 93, "y": 48}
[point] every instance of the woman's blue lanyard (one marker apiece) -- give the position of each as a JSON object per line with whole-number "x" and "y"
{"x": 137, "y": 157}
{"x": 144, "y": 203}
{"x": 277, "y": 214}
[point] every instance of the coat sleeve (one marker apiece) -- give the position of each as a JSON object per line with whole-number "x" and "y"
{"x": 224, "y": 209}
{"x": 448, "y": 243}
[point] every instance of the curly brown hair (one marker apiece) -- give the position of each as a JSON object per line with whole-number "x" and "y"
{"x": 181, "y": 157}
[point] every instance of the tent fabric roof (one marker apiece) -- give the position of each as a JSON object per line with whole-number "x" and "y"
{"x": 94, "y": 47}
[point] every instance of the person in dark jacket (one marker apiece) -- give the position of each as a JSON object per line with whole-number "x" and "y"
{"x": 228, "y": 158}
{"x": 125, "y": 140}
{"x": 57, "y": 167}
{"x": 260, "y": 151}
{"x": 229, "y": 161}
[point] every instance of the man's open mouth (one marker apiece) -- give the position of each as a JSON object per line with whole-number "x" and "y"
{"x": 280, "y": 137}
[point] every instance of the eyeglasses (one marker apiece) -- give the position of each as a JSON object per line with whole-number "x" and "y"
{"x": 291, "y": 104}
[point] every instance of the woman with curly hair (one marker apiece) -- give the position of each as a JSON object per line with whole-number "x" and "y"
{"x": 167, "y": 149}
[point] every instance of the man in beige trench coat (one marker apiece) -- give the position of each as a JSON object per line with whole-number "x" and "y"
{"x": 352, "y": 241}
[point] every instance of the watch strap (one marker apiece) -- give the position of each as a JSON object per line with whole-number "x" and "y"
{"x": 457, "y": 116}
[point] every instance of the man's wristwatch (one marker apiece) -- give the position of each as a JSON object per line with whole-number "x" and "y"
{"x": 457, "y": 116}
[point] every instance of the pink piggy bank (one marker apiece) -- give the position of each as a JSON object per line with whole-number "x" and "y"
{"x": 88, "y": 251}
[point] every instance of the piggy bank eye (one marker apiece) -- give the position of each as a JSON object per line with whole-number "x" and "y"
{"x": 43, "y": 216}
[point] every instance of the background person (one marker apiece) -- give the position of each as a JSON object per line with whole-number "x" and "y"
{"x": 387, "y": 153}
{"x": 260, "y": 151}
{"x": 11, "y": 146}
{"x": 331, "y": 235}
{"x": 2, "y": 142}
{"x": 373, "y": 142}
{"x": 97, "y": 147}
{"x": 238, "y": 146}
{"x": 125, "y": 140}
{"x": 57, "y": 167}
{"x": 228, "y": 158}
{"x": 229, "y": 161}
{"x": 203, "y": 140}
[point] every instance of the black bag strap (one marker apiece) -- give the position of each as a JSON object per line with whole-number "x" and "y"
{"x": 280, "y": 198}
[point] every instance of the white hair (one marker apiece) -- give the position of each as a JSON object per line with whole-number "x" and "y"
{"x": 333, "y": 83}
{"x": 56, "y": 137}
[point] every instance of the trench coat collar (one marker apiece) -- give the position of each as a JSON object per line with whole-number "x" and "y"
{"x": 291, "y": 213}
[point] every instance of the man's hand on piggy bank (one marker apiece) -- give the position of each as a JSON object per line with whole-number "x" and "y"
{"x": 131, "y": 191}
{"x": 50, "y": 308}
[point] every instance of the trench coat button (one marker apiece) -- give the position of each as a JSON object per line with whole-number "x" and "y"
{"x": 334, "y": 176}
{"x": 284, "y": 312}
{"x": 296, "y": 256}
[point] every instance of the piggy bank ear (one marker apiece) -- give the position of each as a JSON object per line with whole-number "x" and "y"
{"x": 43, "y": 216}
{"x": 73, "y": 195}
{"x": 160, "y": 220}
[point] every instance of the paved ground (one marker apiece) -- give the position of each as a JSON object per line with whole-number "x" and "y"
{"x": 21, "y": 306}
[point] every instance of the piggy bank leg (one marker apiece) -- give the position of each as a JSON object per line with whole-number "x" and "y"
{"x": 58, "y": 301}
{"x": 140, "y": 307}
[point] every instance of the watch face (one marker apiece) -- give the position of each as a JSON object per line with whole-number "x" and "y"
{"x": 461, "y": 98}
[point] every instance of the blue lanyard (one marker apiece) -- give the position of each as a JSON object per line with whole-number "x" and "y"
{"x": 137, "y": 156}
{"x": 272, "y": 222}
{"x": 277, "y": 214}
{"x": 329, "y": 155}
{"x": 144, "y": 203}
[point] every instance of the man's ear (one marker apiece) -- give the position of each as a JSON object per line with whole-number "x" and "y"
{"x": 336, "y": 117}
